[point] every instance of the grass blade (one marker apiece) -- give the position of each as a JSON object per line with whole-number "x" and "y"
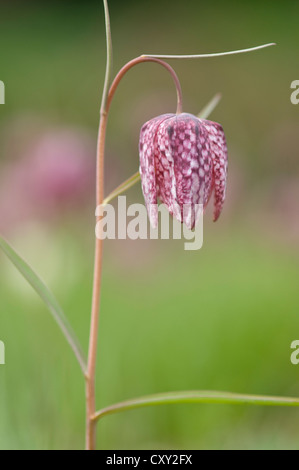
{"x": 203, "y": 56}
{"x": 197, "y": 396}
{"x": 48, "y": 298}
{"x": 209, "y": 108}
{"x": 123, "y": 187}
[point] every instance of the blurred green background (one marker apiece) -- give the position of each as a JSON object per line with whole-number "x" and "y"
{"x": 221, "y": 318}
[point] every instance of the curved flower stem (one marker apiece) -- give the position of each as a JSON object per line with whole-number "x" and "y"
{"x": 94, "y": 325}
{"x": 137, "y": 61}
{"x": 196, "y": 396}
{"x": 95, "y": 310}
{"x": 203, "y": 56}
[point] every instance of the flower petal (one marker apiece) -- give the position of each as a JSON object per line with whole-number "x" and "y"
{"x": 191, "y": 153}
{"x": 219, "y": 155}
{"x": 147, "y": 166}
{"x": 165, "y": 172}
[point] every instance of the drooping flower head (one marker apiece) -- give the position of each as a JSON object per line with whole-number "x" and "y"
{"x": 183, "y": 159}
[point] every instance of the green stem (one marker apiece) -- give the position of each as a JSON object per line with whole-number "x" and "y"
{"x": 201, "y": 396}
{"x": 90, "y": 435}
{"x": 108, "y": 73}
{"x": 96, "y": 293}
{"x": 202, "y": 56}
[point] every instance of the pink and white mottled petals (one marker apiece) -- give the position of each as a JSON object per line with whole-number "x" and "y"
{"x": 220, "y": 164}
{"x": 182, "y": 159}
{"x": 192, "y": 164}
{"x": 147, "y": 166}
{"x": 166, "y": 181}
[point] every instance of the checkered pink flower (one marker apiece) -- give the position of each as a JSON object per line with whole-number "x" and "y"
{"x": 183, "y": 159}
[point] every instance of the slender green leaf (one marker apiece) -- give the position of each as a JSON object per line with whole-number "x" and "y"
{"x": 203, "y": 56}
{"x": 209, "y": 108}
{"x": 123, "y": 187}
{"x": 197, "y": 396}
{"x": 48, "y": 299}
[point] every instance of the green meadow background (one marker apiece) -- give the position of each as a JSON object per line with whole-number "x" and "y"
{"x": 221, "y": 318}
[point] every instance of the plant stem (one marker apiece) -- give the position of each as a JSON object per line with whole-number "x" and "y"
{"x": 95, "y": 309}
{"x": 137, "y": 61}
{"x": 109, "y": 58}
{"x": 197, "y": 396}
{"x": 215, "y": 54}
{"x": 94, "y": 326}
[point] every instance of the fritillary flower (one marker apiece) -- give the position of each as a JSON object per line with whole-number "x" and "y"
{"x": 183, "y": 160}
